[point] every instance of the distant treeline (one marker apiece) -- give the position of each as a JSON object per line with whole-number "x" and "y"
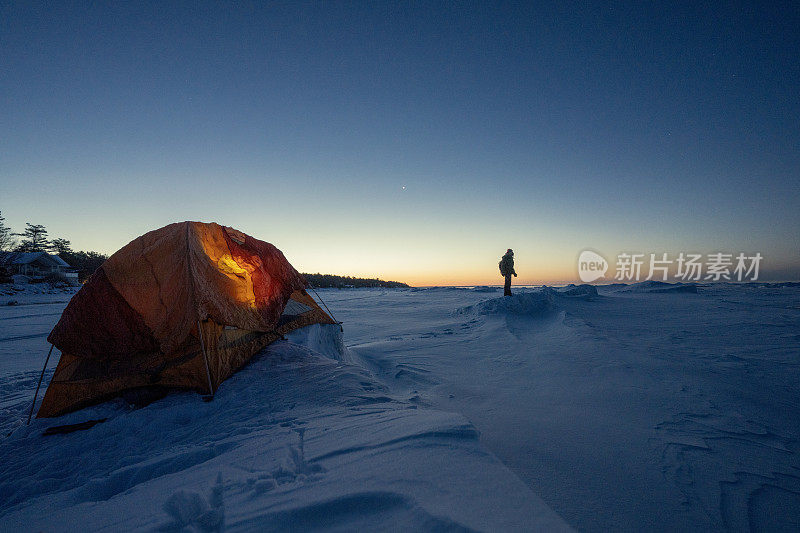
{"x": 322, "y": 281}
{"x": 84, "y": 262}
{"x": 35, "y": 239}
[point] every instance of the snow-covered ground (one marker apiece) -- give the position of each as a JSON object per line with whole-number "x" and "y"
{"x": 299, "y": 440}
{"x": 449, "y": 409}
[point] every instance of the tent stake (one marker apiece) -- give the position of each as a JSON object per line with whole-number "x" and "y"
{"x": 39, "y": 385}
{"x": 205, "y": 358}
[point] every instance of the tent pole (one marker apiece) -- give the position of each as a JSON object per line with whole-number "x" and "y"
{"x": 310, "y": 286}
{"x": 205, "y": 358}
{"x": 41, "y": 376}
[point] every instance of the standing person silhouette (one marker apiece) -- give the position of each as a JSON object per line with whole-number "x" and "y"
{"x": 507, "y": 270}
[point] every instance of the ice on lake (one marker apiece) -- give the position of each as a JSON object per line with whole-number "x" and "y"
{"x": 442, "y": 409}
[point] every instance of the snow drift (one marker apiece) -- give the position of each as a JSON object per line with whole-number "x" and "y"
{"x": 296, "y": 440}
{"x": 653, "y": 286}
{"x": 532, "y": 304}
{"x": 624, "y": 411}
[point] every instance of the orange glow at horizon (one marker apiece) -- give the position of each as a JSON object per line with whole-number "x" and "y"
{"x": 530, "y": 275}
{"x": 450, "y": 264}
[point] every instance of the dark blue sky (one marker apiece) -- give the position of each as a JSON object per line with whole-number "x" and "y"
{"x": 550, "y": 128}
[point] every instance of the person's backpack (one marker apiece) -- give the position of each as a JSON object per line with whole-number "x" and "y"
{"x": 502, "y": 268}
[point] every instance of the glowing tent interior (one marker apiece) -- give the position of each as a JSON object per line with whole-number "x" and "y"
{"x": 184, "y": 306}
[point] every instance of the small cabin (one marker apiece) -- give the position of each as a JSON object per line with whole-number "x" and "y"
{"x": 37, "y": 265}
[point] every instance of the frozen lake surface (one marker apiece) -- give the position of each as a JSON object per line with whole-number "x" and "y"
{"x": 447, "y": 409}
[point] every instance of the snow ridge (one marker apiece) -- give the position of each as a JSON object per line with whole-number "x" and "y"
{"x": 540, "y": 303}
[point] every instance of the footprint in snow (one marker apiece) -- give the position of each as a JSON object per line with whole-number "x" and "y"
{"x": 191, "y": 510}
{"x": 294, "y": 469}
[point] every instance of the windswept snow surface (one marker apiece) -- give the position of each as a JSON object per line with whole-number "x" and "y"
{"x": 298, "y": 440}
{"x": 644, "y": 407}
{"x": 630, "y": 410}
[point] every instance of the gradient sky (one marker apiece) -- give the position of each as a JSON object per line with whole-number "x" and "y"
{"x": 548, "y": 128}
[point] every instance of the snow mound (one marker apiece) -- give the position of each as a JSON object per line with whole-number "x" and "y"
{"x": 295, "y": 440}
{"x": 780, "y": 284}
{"x": 538, "y": 303}
{"x": 572, "y": 290}
{"x": 25, "y": 293}
{"x": 485, "y": 288}
{"x": 324, "y": 339}
{"x": 449, "y": 289}
{"x": 653, "y": 286}
{"x": 437, "y": 289}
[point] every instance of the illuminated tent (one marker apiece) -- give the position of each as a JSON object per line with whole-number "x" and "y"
{"x": 183, "y": 306}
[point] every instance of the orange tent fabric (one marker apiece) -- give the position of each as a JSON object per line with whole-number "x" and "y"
{"x": 183, "y": 306}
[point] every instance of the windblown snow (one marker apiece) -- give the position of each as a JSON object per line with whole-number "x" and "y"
{"x": 653, "y": 406}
